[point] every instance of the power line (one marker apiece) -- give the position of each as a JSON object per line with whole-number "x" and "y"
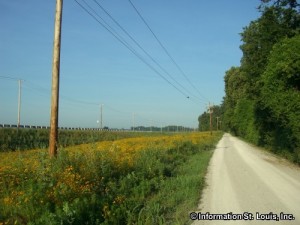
{"x": 46, "y": 91}
{"x": 113, "y": 31}
{"x": 165, "y": 50}
{"x": 130, "y": 48}
{"x": 29, "y": 85}
{"x": 10, "y": 78}
{"x": 108, "y": 27}
{"x": 116, "y": 110}
{"x": 152, "y": 59}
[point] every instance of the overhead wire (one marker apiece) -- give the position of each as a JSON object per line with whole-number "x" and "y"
{"x": 113, "y": 31}
{"x": 12, "y": 78}
{"x": 145, "y": 52}
{"x": 116, "y": 35}
{"x": 46, "y": 92}
{"x": 165, "y": 50}
{"x": 130, "y": 48}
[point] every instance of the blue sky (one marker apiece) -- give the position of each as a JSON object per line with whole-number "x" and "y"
{"x": 202, "y": 36}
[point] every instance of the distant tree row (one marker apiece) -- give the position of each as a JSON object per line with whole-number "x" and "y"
{"x": 262, "y": 95}
{"x": 171, "y": 128}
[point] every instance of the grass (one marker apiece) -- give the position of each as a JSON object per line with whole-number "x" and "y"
{"x": 141, "y": 180}
{"x": 186, "y": 188}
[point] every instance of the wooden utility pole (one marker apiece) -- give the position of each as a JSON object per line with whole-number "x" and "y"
{"x": 53, "y": 139}
{"x": 101, "y": 121}
{"x": 210, "y": 110}
{"x": 133, "y": 122}
{"x": 19, "y": 103}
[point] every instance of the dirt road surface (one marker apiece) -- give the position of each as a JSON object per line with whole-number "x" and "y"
{"x": 251, "y": 184}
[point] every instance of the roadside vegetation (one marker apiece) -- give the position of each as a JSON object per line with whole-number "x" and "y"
{"x": 139, "y": 180}
{"x": 262, "y": 101}
{"x": 12, "y": 139}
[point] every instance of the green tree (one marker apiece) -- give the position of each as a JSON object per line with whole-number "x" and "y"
{"x": 281, "y": 3}
{"x": 235, "y": 89}
{"x": 281, "y": 93}
{"x": 204, "y": 119}
{"x": 262, "y": 94}
{"x": 276, "y": 23}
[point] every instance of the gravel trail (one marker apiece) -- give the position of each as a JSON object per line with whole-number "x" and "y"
{"x": 250, "y": 184}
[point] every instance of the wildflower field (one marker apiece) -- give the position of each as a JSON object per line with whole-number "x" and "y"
{"x": 12, "y": 139}
{"x": 138, "y": 180}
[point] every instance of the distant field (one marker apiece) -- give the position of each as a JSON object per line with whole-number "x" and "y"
{"x": 138, "y": 180}
{"x": 12, "y": 139}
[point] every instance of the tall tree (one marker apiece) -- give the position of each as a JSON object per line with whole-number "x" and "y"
{"x": 259, "y": 103}
{"x": 276, "y": 23}
{"x": 235, "y": 89}
{"x": 281, "y": 94}
{"x": 281, "y": 3}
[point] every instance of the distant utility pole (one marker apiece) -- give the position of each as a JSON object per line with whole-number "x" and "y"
{"x": 218, "y": 122}
{"x": 133, "y": 122}
{"x": 101, "y": 120}
{"x": 210, "y": 111}
{"x": 53, "y": 138}
{"x": 19, "y": 103}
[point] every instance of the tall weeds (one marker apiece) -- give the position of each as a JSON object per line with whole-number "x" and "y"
{"x": 153, "y": 185}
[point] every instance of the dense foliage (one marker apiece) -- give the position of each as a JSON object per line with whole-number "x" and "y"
{"x": 262, "y": 95}
{"x": 141, "y": 180}
{"x": 216, "y": 122}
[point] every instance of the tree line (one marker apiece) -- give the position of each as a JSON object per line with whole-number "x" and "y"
{"x": 262, "y": 95}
